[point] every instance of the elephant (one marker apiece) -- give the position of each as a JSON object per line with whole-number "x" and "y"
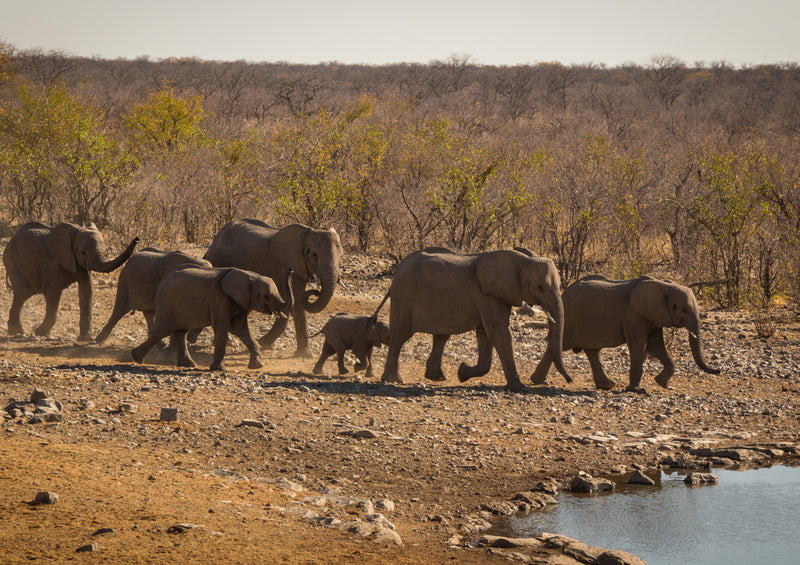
{"x": 42, "y": 259}
{"x": 137, "y": 284}
{"x": 192, "y": 297}
{"x": 444, "y": 292}
{"x": 600, "y": 312}
{"x": 270, "y": 251}
{"x": 357, "y": 333}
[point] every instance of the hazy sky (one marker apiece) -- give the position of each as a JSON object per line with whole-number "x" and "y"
{"x": 491, "y": 32}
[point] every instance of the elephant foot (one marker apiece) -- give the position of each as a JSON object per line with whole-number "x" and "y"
{"x": 216, "y": 366}
{"x": 138, "y": 355}
{"x": 369, "y": 374}
{"x": 255, "y": 364}
{"x": 663, "y": 381}
{"x": 436, "y": 375}
{"x": 515, "y": 386}
{"x": 42, "y": 332}
{"x": 636, "y": 389}
{"x": 301, "y": 352}
{"x": 359, "y": 366}
{"x": 394, "y": 378}
{"x": 317, "y": 370}
{"x": 343, "y": 370}
{"x": 605, "y": 385}
{"x": 15, "y": 330}
{"x": 84, "y": 337}
{"x": 538, "y": 379}
{"x": 467, "y": 372}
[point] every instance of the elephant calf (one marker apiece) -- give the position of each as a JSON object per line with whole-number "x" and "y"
{"x": 192, "y": 298}
{"x": 600, "y": 312}
{"x": 357, "y": 333}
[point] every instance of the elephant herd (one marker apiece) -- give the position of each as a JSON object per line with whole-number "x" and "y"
{"x": 253, "y": 266}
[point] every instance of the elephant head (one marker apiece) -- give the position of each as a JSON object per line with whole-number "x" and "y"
{"x": 310, "y": 252}
{"x": 254, "y": 292}
{"x": 666, "y": 304}
{"x": 377, "y": 331}
{"x": 519, "y": 276}
{"x": 76, "y": 247}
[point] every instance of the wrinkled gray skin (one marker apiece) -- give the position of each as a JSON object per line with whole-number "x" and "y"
{"x": 138, "y": 281}
{"x": 357, "y": 333}
{"x": 41, "y": 259}
{"x": 270, "y": 251}
{"x": 195, "y": 297}
{"x": 600, "y": 312}
{"x": 442, "y": 292}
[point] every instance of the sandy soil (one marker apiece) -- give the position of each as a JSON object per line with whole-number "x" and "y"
{"x": 295, "y": 481}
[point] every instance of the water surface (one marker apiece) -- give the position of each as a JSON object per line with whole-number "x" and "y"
{"x": 749, "y": 517}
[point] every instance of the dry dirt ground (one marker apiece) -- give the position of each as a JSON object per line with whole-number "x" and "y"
{"x": 297, "y": 482}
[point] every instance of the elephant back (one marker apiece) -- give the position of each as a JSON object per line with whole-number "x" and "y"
{"x": 243, "y": 244}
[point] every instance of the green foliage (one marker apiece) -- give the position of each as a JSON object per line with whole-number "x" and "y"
{"x": 58, "y": 162}
{"x": 167, "y": 122}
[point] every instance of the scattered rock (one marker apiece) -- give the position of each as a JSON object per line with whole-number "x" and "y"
{"x": 90, "y": 547}
{"x": 252, "y": 424}
{"x": 583, "y": 482}
{"x": 701, "y": 479}
{"x": 639, "y": 478}
{"x": 45, "y": 497}
{"x": 183, "y": 528}
{"x": 168, "y": 414}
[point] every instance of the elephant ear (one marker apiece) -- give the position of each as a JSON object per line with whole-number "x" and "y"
{"x": 59, "y": 244}
{"x": 288, "y": 247}
{"x": 649, "y": 300}
{"x": 238, "y": 285}
{"x": 498, "y": 275}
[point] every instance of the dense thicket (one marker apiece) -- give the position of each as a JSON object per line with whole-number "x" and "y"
{"x": 666, "y": 168}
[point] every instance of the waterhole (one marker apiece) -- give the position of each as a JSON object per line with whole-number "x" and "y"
{"x": 748, "y": 517}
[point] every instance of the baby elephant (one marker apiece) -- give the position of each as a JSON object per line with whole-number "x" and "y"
{"x": 191, "y": 298}
{"x": 357, "y": 333}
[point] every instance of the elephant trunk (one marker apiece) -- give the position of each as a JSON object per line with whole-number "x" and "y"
{"x": 101, "y": 266}
{"x": 327, "y": 282}
{"x": 555, "y": 336}
{"x": 697, "y": 353}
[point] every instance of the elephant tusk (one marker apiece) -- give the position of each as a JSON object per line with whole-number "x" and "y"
{"x": 693, "y": 335}
{"x": 550, "y": 318}
{"x": 283, "y": 315}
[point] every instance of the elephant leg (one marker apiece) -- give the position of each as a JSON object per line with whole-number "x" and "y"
{"x": 656, "y": 348}
{"x": 155, "y": 336}
{"x": 84, "y": 305}
{"x": 391, "y": 373}
{"x": 267, "y": 340}
{"x": 327, "y": 351}
{"x": 500, "y": 337}
{"x": 636, "y": 349}
{"x": 368, "y": 364}
{"x": 539, "y": 375}
{"x": 242, "y": 331}
{"x": 52, "y": 299}
{"x": 220, "y": 345}
{"x": 466, "y": 372}
{"x": 192, "y": 335}
{"x": 340, "y": 361}
{"x": 184, "y": 359}
{"x": 601, "y": 380}
{"x": 14, "y": 323}
{"x": 301, "y": 333}
{"x": 119, "y": 311}
{"x": 433, "y": 367}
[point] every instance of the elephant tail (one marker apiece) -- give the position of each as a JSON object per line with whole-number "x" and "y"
{"x": 378, "y": 309}
{"x": 316, "y": 334}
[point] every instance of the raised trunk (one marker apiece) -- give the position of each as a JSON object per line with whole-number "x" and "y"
{"x": 697, "y": 353}
{"x": 107, "y": 266}
{"x": 327, "y": 283}
{"x": 555, "y": 336}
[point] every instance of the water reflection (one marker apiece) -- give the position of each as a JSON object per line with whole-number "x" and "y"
{"x": 749, "y": 517}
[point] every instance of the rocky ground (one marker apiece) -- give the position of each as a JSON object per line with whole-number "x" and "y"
{"x": 279, "y": 465}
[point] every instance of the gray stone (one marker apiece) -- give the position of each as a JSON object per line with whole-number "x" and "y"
{"x": 584, "y": 482}
{"x": 701, "y": 479}
{"x": 639, "y": 478}
{"x": 168, "y": 414}
{"x": 507, "y": 543}
{"x": 252, "y": 424}
{"x": 384, "y": 504}
{"x": 90, "y": 547}
{"x": 45, "y": 497}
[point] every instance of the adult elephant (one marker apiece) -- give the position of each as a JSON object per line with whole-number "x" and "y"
{"x": 137, "y": 284}
{"x": 272, "y": 252}
{"x": 600, "y": 312}
{"x": 41, "y": 259}
{"x": 443, "y": 292}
